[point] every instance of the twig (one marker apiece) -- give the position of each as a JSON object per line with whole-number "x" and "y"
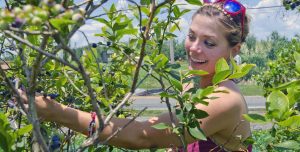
{"x": 121, "y": 128}
{"x": 80, "y": 4}
{"x": 72, "y": 83}
{"x": 7, "y": 5}
{"x": 98, "y": 66}
{"x": 31, "y": 78}
{"x": 32, "y": 32}
{"x": 40, "y": 50}
{"x": 87, "y": 83}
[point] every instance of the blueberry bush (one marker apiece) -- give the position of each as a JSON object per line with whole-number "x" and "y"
{"x": 36, "y": 57}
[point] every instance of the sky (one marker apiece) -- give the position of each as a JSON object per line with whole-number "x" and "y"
{"x": 263, "y": 21}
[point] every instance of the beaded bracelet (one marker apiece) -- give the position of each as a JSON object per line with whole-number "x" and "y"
{"x": 92, "y": 125}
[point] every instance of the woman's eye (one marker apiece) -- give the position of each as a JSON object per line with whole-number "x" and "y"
{"x": 191, "y": 37}
{"x": 209, "y": 44}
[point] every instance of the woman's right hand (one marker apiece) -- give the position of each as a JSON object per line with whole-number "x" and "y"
{"x": 44, "y": 105}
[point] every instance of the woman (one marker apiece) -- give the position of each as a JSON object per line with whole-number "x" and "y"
{"x": 217, "y": 31}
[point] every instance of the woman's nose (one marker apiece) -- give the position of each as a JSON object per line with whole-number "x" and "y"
{"x": 195, "y": 47}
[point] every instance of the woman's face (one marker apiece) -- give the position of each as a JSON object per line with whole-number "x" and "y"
{"x": 205, "y": 44}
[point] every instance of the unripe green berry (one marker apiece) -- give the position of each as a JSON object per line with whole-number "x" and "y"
{"x": 17, "y": 10}
{"x": 27, "y": 8}
{"x": 57, "y": 9}
{"x": 41, "y": 14}
{"x": 36, "y": 20}
{"x": 77, "y": 17}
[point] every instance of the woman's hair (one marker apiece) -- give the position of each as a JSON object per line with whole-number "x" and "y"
{"x": 233, "y": 27}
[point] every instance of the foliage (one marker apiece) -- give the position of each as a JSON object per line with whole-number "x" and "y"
{"x": 39, "y": 33}
{"x": 281, "y": 83}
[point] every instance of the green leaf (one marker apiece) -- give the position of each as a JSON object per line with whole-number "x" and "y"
{"x": 188, "y": 106}
{"x": 176, "y": 84}
{"x": 208, "y": 90}
{"x": 290, "y": 144}
{"x": 288, "y": 85}
{"x": 176, "y": 11}
{"x": 160, "y": 60}
{"x": 119, "y": 26}
{"x": 102, "y": 20}
{"x": 24, "y": 130}
{"x": 161, "y": 126}
{"x": 111, "y": 14}
{"x": 292, "y": 122}
{"x": 194, "y": 2}
{"x": 198, "y": 100}
{"x": 236, "y": 75}
{"x": 246, "y": 68}
{"x": 179, "y": 115}
{"x": 200, "y": 114}
{"x": 127, "y": 32}
{"x": 221, "y": 65}
{"x": 278, "y": 103}
{"x": 165, "y": 94}
{"x": 196, "y": 72}
{"x": 145, "y": 10}
{"x": 60, "y": 23}
{"x": 197, "y": 133}
{"x": 145, "y": 2}
{"x": 255, "y": 118}
{"x": 220, "y": 76}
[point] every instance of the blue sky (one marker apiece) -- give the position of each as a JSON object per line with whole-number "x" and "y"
{"x": 263, "y": 21}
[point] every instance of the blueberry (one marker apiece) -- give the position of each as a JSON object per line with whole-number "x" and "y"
{"x": 293, "y": 6}
{"x": 94, "y": 45}
{"x": 297, "y": 3}
{"x": 55, "y": 142}
{"x": 53, "y": 95}
{"x": 70, "y": 99}
{"x": 144, "y": 28}
{"x": 17, "y": 23}
{"x": 108, "y": 43}
{"x": 112, "y": 73}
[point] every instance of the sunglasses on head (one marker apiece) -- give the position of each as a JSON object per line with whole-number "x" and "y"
{"x": 231, "y": 7}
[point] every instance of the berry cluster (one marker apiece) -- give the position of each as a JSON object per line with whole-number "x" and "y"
{"x": 291, "y": 3}
{"x": 39, "y": 15}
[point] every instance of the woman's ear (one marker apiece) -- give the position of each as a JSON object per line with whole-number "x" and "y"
{"x": 235, "y": 50}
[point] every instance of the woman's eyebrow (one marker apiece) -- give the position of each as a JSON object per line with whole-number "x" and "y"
{"x": 191, "y": 31}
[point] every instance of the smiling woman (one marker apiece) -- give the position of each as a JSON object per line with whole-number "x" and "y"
{"x": 217, "y": 31}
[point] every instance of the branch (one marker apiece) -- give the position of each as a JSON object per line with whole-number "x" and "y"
{"x": 123, "y": 127}
{"x": 72, "y": 83}
{"x": 86, "y": 80}
{"x": 80, "y": 4}
{"x": 32, "y": 32}
{"x": 7, "y": 5}
{"x": 40, "y": 50}
{"x": 98, "y": 66}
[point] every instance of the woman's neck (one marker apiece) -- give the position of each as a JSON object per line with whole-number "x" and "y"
{"x": 206, "y": 81}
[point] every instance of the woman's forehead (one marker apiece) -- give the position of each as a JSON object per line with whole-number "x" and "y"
{"x": 206, "y": 26}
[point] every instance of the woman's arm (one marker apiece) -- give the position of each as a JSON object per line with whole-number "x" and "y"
{"x": 223, "y": 112}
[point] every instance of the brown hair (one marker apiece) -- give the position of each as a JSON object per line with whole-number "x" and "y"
{"x": 233, "y": 27}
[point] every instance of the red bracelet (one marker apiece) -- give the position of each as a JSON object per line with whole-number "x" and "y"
{"x": 92, "y": 125}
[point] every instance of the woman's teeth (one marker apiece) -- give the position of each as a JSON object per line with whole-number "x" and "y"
{"x": 198, "y": 61}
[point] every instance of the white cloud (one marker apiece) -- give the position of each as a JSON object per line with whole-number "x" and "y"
{"x": 264, "y": 21}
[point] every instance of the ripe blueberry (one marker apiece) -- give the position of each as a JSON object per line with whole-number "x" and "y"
{"x": 144, "y": 28}
{"x": 108, "y": 43}
{"x": 94, "y": 45}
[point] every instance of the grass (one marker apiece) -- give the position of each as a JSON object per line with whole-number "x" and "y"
{"x": 251, "y": 90}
